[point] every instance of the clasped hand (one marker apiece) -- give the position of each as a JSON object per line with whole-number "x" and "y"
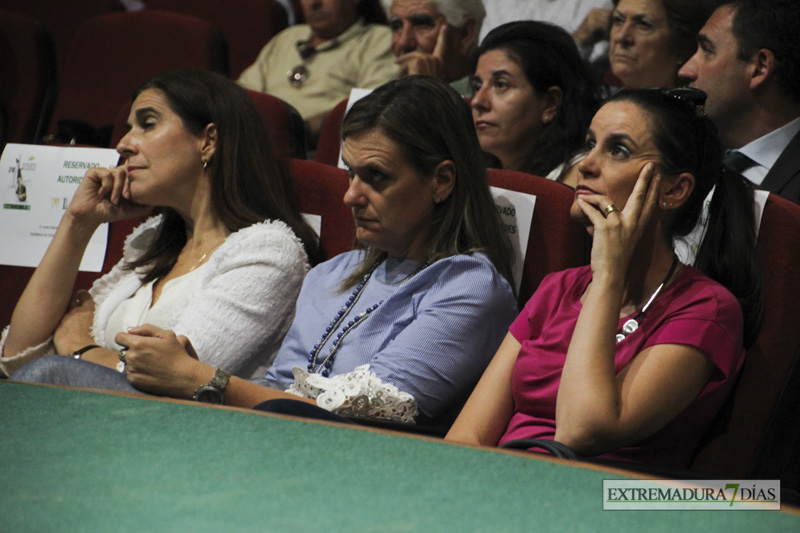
{"x": 160, "y": 362}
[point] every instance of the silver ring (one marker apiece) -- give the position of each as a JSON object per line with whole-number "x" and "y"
{"x": 122, "y": 353}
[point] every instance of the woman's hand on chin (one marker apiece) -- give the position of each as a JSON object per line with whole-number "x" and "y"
{"x": 104, "y": 196}
{"x": 618, "y": 232}
{"x": 160, "y": 362}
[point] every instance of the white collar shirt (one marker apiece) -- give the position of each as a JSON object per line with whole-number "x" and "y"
{"x": 767, "y": 149}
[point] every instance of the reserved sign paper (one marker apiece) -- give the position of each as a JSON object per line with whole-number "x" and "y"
{"x": 36, "y": 185}
{"x": 516, "y": 212}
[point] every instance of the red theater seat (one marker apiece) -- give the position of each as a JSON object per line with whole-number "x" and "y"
{"x": 113, "y": 54}
{"x": 556, "y": 241}
{"x": 320, "y": 189}
{"x": 247, "y": 24}
{"x": 28, "y": 69}
{"x": 330, "y": 138}
{"x": 757, "y": 434}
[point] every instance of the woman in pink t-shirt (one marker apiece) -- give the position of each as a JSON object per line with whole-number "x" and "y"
{"x": 631, "y": 356}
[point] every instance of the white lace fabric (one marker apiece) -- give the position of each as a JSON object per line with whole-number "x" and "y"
{"x": 359, "y": 393}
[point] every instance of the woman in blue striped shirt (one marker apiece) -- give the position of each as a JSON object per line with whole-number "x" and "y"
{"x": 403, "y": 327}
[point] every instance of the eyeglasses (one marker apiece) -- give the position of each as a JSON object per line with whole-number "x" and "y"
{"x": 688, "y": 95}
{"x": 299, "y": 73}
{"x": 307, "y": 52}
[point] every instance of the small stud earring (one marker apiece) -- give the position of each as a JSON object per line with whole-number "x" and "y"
{"x": 436, "y": 199}
{"x": 664, "y": 204}
{"x": 205, "y": 163}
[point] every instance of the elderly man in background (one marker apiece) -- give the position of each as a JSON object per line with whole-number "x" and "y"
{"x": 313, "y": 66}
{"x": 748, "y": 62}
{"x": 436, "y": 37}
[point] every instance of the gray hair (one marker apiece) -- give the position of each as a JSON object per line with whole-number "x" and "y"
{"x": 454, "y": 11}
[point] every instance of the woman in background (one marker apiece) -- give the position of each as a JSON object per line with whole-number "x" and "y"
{"x": 533, "y": 98}
{"x": 651, "y": 39}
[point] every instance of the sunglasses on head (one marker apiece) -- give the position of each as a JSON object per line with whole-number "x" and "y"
{"x": 687, "y": 95}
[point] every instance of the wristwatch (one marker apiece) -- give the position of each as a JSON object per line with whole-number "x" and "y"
{"x": 214, "y": 390}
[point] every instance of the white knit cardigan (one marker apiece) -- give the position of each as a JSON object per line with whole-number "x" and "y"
{"x": 238, "y": 310}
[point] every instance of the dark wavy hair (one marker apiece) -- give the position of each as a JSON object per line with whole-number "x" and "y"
{"x": 549, "y": 57}
{"x": 687, "y": 141}
{"x": 430, "y": 123}
{"x": 248, "y": 182}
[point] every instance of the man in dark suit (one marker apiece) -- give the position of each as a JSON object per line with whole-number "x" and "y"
{"x": 748, "y": 62}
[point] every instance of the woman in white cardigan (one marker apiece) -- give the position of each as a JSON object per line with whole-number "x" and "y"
{"x": 223, "y": 261}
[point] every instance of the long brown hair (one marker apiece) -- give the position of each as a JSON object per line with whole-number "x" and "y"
{"x": 248, "y": 182}
{"x": 430, "y": 122}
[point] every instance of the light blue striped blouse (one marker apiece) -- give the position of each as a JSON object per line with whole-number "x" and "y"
{"x": 432, "y": 337}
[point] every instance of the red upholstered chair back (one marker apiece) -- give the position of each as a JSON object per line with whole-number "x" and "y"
{"x": 113, "y": 54}
{"x": 283, "y": 122}
{"x": 13, "y": 278}
{"x": 62, "y": 19}
{"x": 757, "y": 434}
{"x": 320, "y": 189}
{"x": 247, "y": 24}
{"x": 556, "y": 242}
{"x": 28, "y": 70}
{"x": 330, "y": 138}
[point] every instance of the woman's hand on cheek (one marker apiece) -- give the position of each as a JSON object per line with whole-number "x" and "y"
{"x": 159, "y": 362}
{"x": 618, "y": 232}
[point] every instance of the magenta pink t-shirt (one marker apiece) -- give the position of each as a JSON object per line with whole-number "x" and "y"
{"x": 693, "y": 310}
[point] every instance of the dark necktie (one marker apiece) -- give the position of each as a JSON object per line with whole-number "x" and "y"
{"x": 738, "y": 161}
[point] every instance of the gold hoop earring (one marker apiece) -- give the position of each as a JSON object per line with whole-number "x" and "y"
{"x": 205, "y": 163}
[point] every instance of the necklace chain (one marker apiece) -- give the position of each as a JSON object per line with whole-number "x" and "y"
{"x": 200, "y": 261}
{"x": 326, "y": 365}
{"x": 632, "y": 324}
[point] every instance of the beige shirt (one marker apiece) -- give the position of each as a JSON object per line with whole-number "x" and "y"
{"x": 362, "y": 58}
